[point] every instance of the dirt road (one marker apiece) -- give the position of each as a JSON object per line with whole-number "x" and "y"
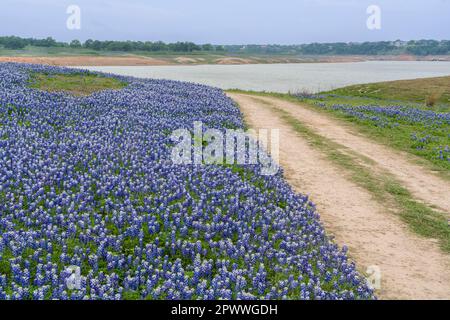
{"x": 411, "y": 267}
{"x": 422, "y": 183}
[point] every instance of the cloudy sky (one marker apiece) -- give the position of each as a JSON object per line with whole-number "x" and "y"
{"x": 228, "y": 21}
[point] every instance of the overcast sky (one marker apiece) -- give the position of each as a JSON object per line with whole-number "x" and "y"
{"x": 228, "y": 21}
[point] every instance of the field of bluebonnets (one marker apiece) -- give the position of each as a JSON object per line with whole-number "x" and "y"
{"x": 88, "y": 182}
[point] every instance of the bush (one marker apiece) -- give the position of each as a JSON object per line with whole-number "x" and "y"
{"x": 13, "y": 43}
{"x": 432, "y": 99}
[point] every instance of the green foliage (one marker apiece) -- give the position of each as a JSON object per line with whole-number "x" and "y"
{"x": 131, "y": 295}
{"x": 419, "y": 47}
{"x": 75, "y": 44}
{"x": 13, "y": 42}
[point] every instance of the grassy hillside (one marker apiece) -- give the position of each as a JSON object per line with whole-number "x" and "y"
{"x": 430, "y": 91}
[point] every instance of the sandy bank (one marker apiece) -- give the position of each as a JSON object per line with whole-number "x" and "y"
{"x": 134, "y": 60}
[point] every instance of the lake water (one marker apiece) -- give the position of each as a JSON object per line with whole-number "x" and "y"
{"x": 313, "y": 77}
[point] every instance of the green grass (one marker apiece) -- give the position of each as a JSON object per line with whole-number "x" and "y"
{"x": 76, "y": 84}
{"x": 411, "y": 91}
{"x": 383, "y": 186}
{"x": 32, "y": 51}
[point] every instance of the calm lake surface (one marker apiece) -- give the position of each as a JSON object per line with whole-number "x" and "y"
{"x": 313, "y": 77}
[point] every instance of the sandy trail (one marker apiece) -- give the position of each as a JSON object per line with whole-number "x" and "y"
{"x": 421, "y": 182}
{"x": 411, "y": 267}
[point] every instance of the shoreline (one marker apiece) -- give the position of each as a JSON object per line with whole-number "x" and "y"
{"x": 132, "y": 60}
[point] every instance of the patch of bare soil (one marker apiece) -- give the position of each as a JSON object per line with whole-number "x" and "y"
{"x": 232, "y": 60}
{"x": 411, "y": 267}
{"x": 186, "y": 60}
{"x": 88, "y": 61}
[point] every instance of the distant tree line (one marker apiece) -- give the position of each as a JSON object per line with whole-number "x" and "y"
{"x": 415, "y": 47}
{"x": 13, "y": 42}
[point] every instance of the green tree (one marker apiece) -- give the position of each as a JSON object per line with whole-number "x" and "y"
{"x": 13, "y": 42}
{"x": 75, "y": 44}
{"x": 88, "y": 44}
{"x": 207, "y": 47}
